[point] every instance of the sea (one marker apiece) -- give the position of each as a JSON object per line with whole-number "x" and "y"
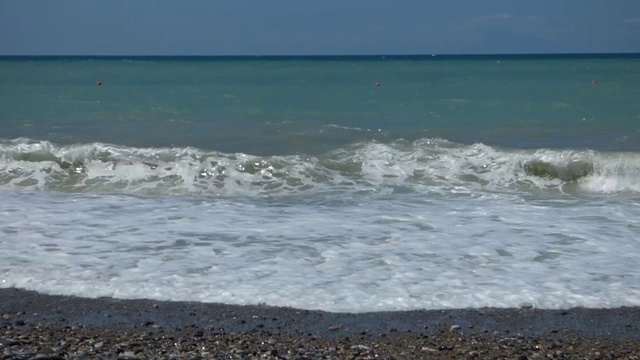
{"x": 338, "y": 183}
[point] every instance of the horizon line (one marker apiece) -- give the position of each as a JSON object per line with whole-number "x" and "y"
{"x": 328, "y": 55}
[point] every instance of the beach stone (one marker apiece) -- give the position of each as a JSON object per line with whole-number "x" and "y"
{"x": 361, "y": 347}
{"x": 42, "y": 357}
{"x": 127, "y": 355}
{"x": 8, "y": 342}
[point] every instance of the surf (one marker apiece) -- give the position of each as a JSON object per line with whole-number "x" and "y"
{"x": 421, "y": 166}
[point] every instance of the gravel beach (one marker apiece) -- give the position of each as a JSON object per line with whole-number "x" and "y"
{"x": 37, "y": 326}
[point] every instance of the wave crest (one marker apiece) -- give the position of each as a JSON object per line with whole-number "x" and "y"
{"x": 370, "y": 167}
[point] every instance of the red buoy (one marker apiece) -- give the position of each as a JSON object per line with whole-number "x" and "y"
{"x": 377, "y": 84}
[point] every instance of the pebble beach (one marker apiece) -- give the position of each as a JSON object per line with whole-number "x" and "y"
{"x": 37, "y": 326}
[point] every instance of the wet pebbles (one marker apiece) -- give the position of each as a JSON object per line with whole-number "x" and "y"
{"x": 35, "y": 326}
{"x": 46, "y": 341}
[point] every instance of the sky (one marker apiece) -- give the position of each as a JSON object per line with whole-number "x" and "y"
{"x": 327, "y": 27}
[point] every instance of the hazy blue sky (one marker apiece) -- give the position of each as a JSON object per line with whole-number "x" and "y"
{"x": 284, "y": 27}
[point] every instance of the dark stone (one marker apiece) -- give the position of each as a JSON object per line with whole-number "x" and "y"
{"x": 8, "y": 342}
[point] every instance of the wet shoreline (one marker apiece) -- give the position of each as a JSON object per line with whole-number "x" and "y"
{"x": 219, "y": 330}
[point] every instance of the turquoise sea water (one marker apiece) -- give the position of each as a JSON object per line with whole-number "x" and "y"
{"x": 340, "y": 183}
{"x": 246, "y": 104}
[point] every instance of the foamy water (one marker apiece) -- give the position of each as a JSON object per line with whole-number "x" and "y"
{"x": 458, "y": 182}
{"x": 424, "y": 165}
{"x": 429, "y": 224}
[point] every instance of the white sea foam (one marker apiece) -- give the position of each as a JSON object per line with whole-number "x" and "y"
{"x": 371, "y": 226}
{"x": 614, "y": 173}
{"x": 332, "y": 252}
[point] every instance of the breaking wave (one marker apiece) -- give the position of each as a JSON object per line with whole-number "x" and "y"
{"x": 370, "y": 167}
